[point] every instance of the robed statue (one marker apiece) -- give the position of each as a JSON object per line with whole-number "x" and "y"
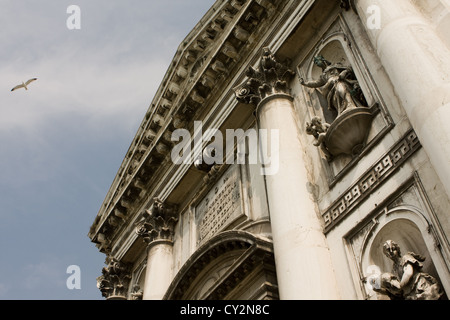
{"x": 407, "y": 281}
{"x": 338, "y": 84}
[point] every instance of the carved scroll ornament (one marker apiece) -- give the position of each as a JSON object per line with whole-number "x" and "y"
{"x": 159, "y": 222}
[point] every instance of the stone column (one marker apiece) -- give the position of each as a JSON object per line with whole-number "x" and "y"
{"x": 302, "y": 257}
{"x": 157, "y": 230}
{"x": 418, "y": 64}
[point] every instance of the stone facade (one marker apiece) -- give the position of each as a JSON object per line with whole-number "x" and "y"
{"x": 348, "y": 102}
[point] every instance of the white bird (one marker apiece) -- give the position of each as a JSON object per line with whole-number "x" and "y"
{"x": 24, "y": 84}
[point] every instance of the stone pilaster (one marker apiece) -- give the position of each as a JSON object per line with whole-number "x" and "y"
{"x": 115, "y": 280}
{"x": 157, "y": 230}
{"x": 302, "y": 258}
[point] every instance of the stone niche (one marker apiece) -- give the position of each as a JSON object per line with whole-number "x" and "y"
{"x": 347, "y": 115}
{"x": 409, "y": 220}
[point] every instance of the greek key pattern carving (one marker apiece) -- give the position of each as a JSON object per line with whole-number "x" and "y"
{"x": 372, "y": 179}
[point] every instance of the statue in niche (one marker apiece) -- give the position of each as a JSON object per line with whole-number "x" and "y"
{"x": 350, "y": 123}
{"x": 407, "y": 281}
{"x": 318, "y": 130}
{"x": 338, "y": 85}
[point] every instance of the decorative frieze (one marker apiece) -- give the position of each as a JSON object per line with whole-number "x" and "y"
{"x": 158, "y": 223}
{"x": 371, "y": 180}
{"x": 271, "y": 77}
{"x": 115, "y": 280}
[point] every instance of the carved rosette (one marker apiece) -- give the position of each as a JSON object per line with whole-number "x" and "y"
{"x": 270, "y": 78}
{"x": 159, "y": 222}
{"x": 114, "y": 281}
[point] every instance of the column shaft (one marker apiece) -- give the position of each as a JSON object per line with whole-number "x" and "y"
{"x": 302, "y": 257}
{"x": 157, "y": 230}
{"x": 159, "y": 270}
{"x": 418, "y": 64}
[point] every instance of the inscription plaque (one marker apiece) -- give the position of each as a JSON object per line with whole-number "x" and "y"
{"x": 221, "y": 206}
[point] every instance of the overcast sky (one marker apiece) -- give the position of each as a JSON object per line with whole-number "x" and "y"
{"x": 63, "y": 140}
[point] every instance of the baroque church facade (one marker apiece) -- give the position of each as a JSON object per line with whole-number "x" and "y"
{"x": 294, "y": 150}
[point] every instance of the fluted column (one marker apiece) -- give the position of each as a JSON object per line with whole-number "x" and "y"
{"x": 418, "y": 64}
{"x": 157, "y": 230}
{"x": 302, "y": 257}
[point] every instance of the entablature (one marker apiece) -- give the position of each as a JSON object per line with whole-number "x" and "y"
{"x": 210, "y": 52}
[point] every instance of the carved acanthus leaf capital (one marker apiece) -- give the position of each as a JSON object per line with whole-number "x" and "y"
{"x": 271, "y": 77}
{"x": 158, "y": 223}
{"x": 115, "y": 279}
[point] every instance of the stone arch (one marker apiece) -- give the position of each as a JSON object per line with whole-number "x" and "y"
{"x": 232, "y": 265}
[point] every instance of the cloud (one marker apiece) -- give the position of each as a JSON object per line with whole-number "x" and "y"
{"x": 90, "y": 91}
{"x": 4, "y": 289}
{"x": 79, "y": 85}
{"x": 62, "y": 142}
{"x": 107, "y": 71}
{"x": 50, "y": 273}
{"x": 77, "y": 108}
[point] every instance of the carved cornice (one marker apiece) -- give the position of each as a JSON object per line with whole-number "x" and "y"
{"x": 158, "y": 223}
{"x": 271, "y": 77}
{"x": 115, "y": 280}
{"x": 208, "y": 54}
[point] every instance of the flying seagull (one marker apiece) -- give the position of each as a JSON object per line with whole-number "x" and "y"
{"x": 24, "y": 84}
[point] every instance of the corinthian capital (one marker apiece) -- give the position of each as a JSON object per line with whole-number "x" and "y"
{"x": 115, "y": 279}
{"x": 271, "y": 77}
{"x": 158, "y": 223}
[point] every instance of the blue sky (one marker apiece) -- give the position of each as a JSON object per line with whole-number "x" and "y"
{"x": 63, "y": 140}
